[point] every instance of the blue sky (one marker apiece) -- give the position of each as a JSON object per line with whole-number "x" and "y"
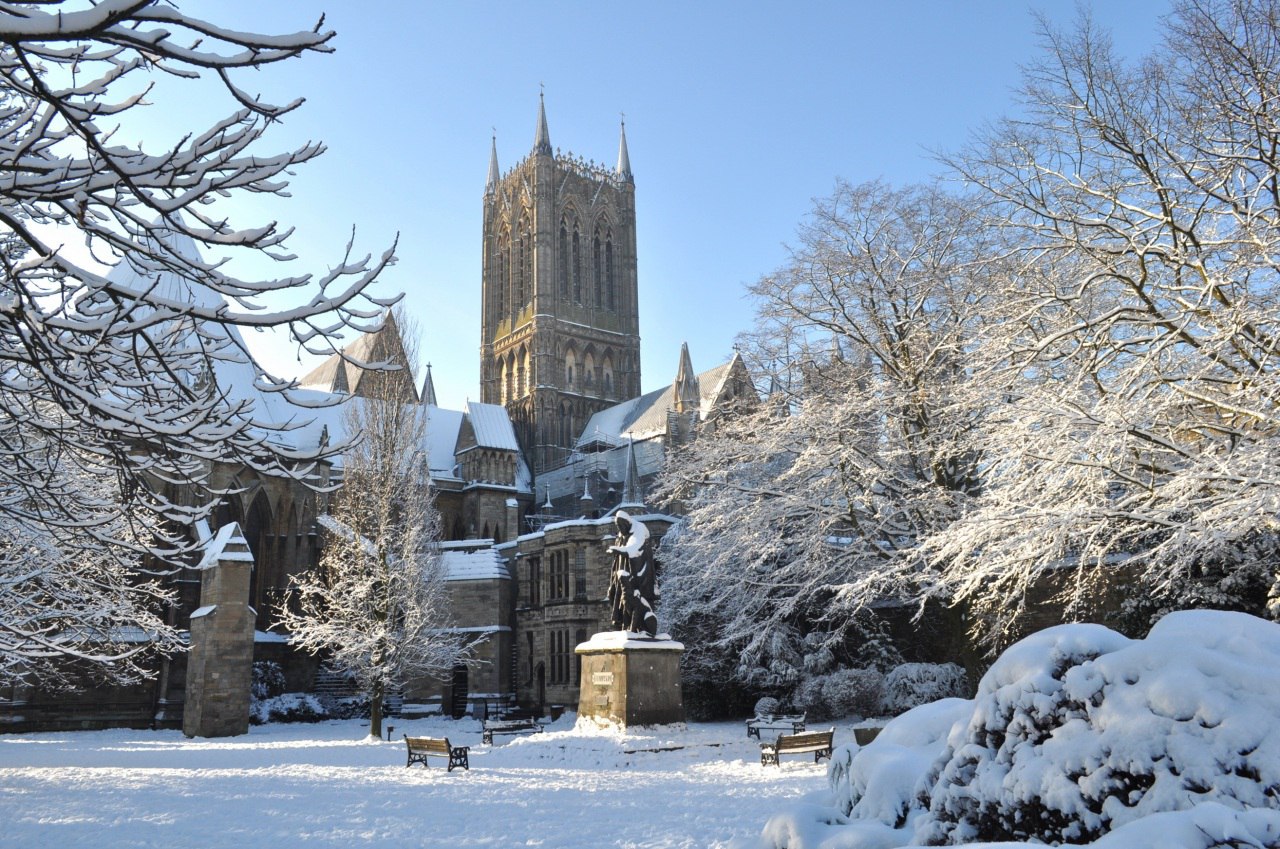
{"x": 738, "y": 115}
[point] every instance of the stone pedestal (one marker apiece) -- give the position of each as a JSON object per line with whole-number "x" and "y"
{"x": 630, "y": 680}
{"x": 220, "y": 664}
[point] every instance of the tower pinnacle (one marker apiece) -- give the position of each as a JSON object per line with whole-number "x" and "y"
{"x": 624, "y": 160}
{"x": 542, "y": 138}
{"x": 428, "y": 394}
{"x": 491, "y": 184}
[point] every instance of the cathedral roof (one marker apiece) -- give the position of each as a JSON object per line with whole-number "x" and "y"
{"x": 478, "y": 565}
{"x": 344, "y": 372}
{"x": 234, "y": 370}
{"x": 493, "y": 427}
{"x": 646, "y": 416}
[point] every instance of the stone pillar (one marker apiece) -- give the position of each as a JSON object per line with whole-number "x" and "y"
{"x": 629, "y": 679}
{"x": 220, "y": 664}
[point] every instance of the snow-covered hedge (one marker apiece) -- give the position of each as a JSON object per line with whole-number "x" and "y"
{"x": 841, "y": 693}
{"x": 912, "y": 684}
{"x": 1078, "y": 734}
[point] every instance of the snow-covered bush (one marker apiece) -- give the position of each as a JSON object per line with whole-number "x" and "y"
{"x": 767, "y": 706}
{"x": 1078, "y": 734}
{"x": 841, "y": 693}
{"x": 288, "y": 707}
{"x": 913, "y": 684}
{"x": 268, "y": 680}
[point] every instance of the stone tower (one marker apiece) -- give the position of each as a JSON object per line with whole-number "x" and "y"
{"x": 560, "y": 330}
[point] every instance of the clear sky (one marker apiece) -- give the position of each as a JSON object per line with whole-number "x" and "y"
{"x": 738, "y": 115}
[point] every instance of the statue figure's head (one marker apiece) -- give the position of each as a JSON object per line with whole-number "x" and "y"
{"x": 623, "y": 520}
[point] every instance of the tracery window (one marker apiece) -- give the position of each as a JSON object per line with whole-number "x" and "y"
{"x": 563, "y": 260}
{"x": 577, "y": 265}
{"x": 610, "y": 289}
{"x": 597, "y": 267}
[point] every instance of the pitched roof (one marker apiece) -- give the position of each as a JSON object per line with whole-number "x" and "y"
{"x": 492, "y": 426}
{"x": 480, "y": 565}
{"x": 343, "y": 372}
{"x": 646, "y": 416}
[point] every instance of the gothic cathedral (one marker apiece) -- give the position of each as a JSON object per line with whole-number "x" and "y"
{"x": 560, "y": 328}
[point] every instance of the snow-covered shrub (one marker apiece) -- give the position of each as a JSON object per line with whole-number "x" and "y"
{"x": 912, "y": 684}
{"x": 840, "y": 693}
{"x": 882, "y": 780}
{"x": 268, "y": 680}
{"x": 1078, "y": 734}
{"x": 1077, "y": 730}
{"x": 288, "y": 707}
{"x": 767, "y": 706}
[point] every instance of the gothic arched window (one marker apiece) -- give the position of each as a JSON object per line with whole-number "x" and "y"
{"x": 577, "y": 265}
{"x": 524, "y": 273}
{"x": 504, "y": 272}
{"x": 610, "y": 290}
{"x": 597, "y": 267}
{"x": 563, "y": 260}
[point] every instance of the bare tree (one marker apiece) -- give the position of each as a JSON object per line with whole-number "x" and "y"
{"x": 378, "y": 603}
{"x": 801, "y": 514}
{"x": 116, "y": 374}
{"x": 1141, "y": 438}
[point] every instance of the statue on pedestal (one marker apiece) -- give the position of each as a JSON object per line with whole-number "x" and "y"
{"x": 632, "y": 589}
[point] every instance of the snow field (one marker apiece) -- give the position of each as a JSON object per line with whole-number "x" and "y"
{"x": 327, "y": 785}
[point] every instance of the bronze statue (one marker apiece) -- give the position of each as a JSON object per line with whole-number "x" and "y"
{"x": 632, "y": 590}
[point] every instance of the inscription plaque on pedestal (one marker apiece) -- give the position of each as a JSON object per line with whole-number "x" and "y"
{"x": 630, "y": 679}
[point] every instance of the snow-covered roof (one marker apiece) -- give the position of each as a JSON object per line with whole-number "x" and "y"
{"x": 234, "y": 370}
{"x": 442, "y": 441}
{"x": 492, "y": 426}
{"x": 646, "y": 416}
{"x": 480, "y": 565}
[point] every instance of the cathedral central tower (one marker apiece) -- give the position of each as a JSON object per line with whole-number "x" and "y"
{"x": 560, "y": 327}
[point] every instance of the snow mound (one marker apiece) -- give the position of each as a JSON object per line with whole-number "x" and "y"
{"x": 1080, "y": 735}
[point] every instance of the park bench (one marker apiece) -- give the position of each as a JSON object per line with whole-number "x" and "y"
{"x": 818, "y": 742}
{"x": 509, "y": 726}
{"x": 793, "y": 722}
{"x": 421, "y": 747}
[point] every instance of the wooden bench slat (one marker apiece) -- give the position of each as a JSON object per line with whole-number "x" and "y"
{"x": 818, "y": 742}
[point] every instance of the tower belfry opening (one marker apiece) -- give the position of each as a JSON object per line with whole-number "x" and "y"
{"x": 560, "y": 331}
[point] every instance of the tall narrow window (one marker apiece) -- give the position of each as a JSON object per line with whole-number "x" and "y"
{"x": 580, "y": 575}
{"x": 562, "y": 260}
{"x": 504, "y": 274}
{"x": 535, "y": 582}
{"x": 517, "y": 299}
{"x": 597, "y": 268}
{"x": 526, "y": 263}
{"x": 577, "y": 265}
{"x": 610, "y": 290}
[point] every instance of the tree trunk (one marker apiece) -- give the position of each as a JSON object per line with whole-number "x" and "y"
{"x": 375, "y": 711}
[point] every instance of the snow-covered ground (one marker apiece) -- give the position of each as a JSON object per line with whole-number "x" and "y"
{"x": 328, "y": 785}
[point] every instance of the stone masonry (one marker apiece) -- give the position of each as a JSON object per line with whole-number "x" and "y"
{"x": 220, "y": 664}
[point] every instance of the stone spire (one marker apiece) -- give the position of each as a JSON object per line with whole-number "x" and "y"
{"x": 491, "y": 184}
{"x": 624, "y": 160}
{"x": 631, "y": 495}
{"x": 429, "y": 389}
{"x": 688, "y": 398}
{"x": 542, "y": 138}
